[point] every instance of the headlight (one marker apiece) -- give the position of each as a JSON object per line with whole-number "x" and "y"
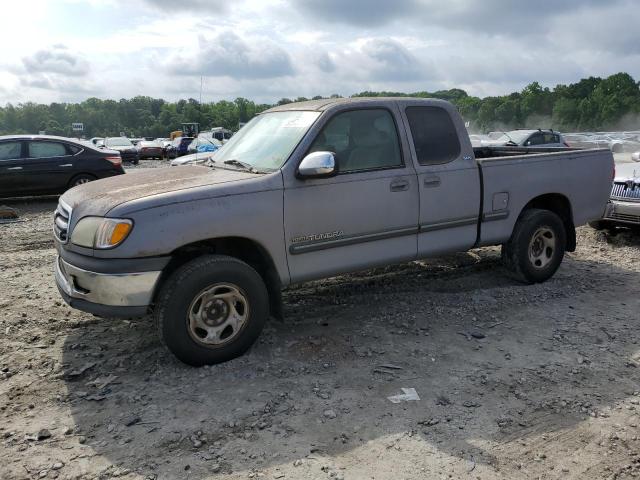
{"x": 101, "y": 233}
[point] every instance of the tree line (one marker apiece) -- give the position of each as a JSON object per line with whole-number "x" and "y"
{"x": 593, "y": 103}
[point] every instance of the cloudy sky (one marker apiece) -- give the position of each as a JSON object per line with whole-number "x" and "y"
{"x": 69, "y": 50}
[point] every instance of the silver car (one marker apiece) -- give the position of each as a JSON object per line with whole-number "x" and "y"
{"x": 624, "y": 205}
{"x": 527, "y": 138}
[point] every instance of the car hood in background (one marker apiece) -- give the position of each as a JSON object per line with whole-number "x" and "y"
{"x": 122, "y": 148}
{"x": 627, "y": 171}
{"x": 192, "y": 158}
{"x": 99, "y": 197}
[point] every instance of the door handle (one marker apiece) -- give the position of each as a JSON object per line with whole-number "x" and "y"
{"x": 14, "y": 168}
{"x": 399, "y": 186}
{"x": 66, "y": 165}
{"x": 431, "y": 181}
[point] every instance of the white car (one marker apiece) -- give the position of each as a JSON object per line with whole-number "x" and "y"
{"x": 192, "y": 159}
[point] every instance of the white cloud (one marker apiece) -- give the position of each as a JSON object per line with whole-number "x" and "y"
{"x": 268, "y": 50}
{"x": 57, "y": 60}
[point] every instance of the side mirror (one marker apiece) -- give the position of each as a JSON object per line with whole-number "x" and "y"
{"x": 318, "y": 165}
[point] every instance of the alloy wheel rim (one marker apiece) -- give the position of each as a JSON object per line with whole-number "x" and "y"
{"x": 542, "y": 247}
{"x": 217, "y": 314}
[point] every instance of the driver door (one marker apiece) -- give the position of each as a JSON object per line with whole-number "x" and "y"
{"x": 367, "y": 214}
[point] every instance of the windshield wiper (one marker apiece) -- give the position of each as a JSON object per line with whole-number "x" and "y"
{"x": 239, "y": 163}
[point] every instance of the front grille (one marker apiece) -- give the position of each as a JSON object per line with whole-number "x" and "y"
{"x": 61, "y": 219}
{"x": 624, "y": 217}
{"x": 622, "y": 191}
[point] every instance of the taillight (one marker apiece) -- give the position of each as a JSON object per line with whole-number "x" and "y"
{"x": 117, "y": 161}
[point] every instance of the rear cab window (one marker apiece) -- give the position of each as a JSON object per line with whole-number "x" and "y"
{"x": 435, "y": 137}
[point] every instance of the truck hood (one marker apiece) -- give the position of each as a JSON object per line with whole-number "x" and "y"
{"x": 99, "y": 197}
{"x": 627, "y": 171}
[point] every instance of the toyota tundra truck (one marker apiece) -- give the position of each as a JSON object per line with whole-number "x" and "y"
{"x": 307, "y": 191}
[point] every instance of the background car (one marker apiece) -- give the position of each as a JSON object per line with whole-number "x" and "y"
{"x": 204, "y": 144}
{"x": 127, "y": 150}
{"x": 193, "y": 158}
{"x": 527, "y": 138}
{"x": 44, "y": 164}
{"x": 149, "y": 149}
{"x": 623, "y": 208}
{"x": 180, "y": 146}
{"x": 220, "y": 133}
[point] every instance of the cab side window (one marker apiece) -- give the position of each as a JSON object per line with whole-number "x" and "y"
{"x": 46, "y": 149}
{"x": 10, "y": 150}
{"x": 536, "y": 139}
{"x": 361, "y": 140}
{"x": 435, "y": 138}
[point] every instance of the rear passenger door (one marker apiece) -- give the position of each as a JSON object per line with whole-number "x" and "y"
{"x": 50, "y": 164}
{"x": 448, "y": 179}
{"x": 12, "y": 178}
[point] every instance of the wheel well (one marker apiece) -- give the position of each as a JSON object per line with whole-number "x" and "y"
{"x": 561, "y": 206}
{"x": 241, "y": 248}
{"x": 81, "y": 174}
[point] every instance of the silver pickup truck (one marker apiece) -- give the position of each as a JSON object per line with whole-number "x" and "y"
{"x": 306, "y": 191}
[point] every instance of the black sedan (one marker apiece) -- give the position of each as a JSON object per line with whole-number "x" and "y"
{"x": 43, "y": 165}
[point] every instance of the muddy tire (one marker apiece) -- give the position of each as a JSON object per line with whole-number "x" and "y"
{"x": 537, "y": 246}
{"x": 212, "y": 309}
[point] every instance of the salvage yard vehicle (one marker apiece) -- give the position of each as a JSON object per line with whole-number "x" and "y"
{"x": 149, "y": 149}
{"x": 623, "y": 208}
{"x": 128, "y": 151}
{"x": 192, "y": 159}
{"x": 528, "y": 138}
{"x": 307, "y": 191}
{"x": 49, "y": 165}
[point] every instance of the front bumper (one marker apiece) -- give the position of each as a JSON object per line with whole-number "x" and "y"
{"x": 623, "y": 212}
{"x": 106, "y": 294}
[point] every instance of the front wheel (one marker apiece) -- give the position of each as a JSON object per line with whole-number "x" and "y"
{"x": 537, "y": 246}
{"x": 211, "y": 310}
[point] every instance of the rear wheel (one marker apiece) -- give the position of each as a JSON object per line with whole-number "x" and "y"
{"x": 537, "y": 246}
{"x": 211, "y": 310}
{"x": 81, "y": 180}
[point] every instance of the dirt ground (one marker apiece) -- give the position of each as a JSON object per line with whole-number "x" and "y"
{"x": 513, "y": 381}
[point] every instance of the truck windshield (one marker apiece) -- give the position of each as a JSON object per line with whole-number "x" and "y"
{"x": 266, "y": 142}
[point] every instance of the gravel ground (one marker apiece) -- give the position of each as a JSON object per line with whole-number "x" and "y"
{"x": 513, "y": 381}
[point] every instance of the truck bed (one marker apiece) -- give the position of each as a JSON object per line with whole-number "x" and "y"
{"x": 510, "y": 179}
